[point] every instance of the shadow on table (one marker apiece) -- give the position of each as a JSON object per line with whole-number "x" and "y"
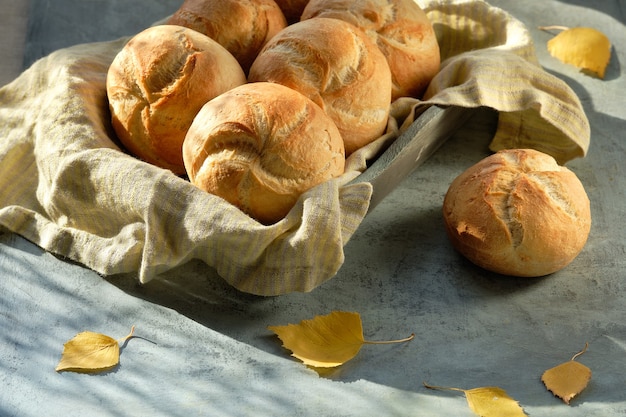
{"x": 613, "y": 8}
{"x": 56, "y": 24}
{"x": 473, "y": 328}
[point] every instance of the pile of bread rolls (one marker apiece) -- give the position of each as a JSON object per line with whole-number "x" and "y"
{"x": 257, "y": 101}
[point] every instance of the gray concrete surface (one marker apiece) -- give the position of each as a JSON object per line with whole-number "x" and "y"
{"x": 204, "y": 350}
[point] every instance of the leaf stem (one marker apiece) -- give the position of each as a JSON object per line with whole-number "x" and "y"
{"x": 123, "y": 339}
{"x": 442, "y": 388}
{"x": 553, "y": 27}
{"x": 582, "y": 351}
{"x": 387, "y": 342}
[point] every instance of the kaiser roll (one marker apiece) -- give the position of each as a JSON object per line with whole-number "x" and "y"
{"x": 517, "y": 212}
{"x": 260, "y": 146}
{"x": 336, "y": 65}
{"x": 158, "y": 82}
{"x": 241, "y": 26}
{"x": 401, "y": 30}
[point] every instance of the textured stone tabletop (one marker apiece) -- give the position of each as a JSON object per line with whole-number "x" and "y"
{"x": 204, "y": 349}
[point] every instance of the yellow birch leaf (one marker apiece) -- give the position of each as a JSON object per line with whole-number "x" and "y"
{"x": 567, "y": 379}
{"x": 90, "y": 352}
{"x": 488, "y": 401}
{"x": 585, "y": 48}
{"x": 326, "y": 341}
{"x": 493, "y": 401}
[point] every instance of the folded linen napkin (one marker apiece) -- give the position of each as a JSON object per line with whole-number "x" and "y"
{"x": 67, "y": 186}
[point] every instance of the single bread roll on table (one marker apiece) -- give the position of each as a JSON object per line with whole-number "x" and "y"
{"x": 260, "y": 146}
{"x": 401, "y": 30}
{"x": 158, "y": 82}
{"x": 337, "y": 66}
{"x": 518, "y": 213}
{"x": 241, "y": 26}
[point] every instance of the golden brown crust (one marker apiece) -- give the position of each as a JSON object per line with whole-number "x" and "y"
{"x": 401, "y": 30}
{"x": 260, "y": 146}
{"x": 241, "y": 26}
{"x": 158, "y": 82}
{"x": 518, "y": 213}
{"x": 338, "y": 67}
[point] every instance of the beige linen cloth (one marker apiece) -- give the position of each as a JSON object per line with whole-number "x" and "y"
{"x": 66, "y": 185}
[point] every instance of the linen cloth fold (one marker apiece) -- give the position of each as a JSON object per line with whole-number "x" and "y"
{"x": 67, "y": 185}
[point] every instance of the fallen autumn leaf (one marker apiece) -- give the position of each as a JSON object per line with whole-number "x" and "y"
{"x": 326, "y": 341}
{"x": 567, "y": 379}
{"x": 90, "y": 352}
{"x": 586, "y": 48}
{"x": 488, "y": 401}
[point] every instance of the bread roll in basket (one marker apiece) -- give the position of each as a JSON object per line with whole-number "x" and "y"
{"x": 260, "y": 146}
{"x": 157, "y": 83}
{"x": 400, "y": 29}
{"x": 336, "y": 65}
